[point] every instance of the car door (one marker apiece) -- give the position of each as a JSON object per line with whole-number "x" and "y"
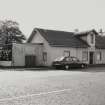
{"x": 75, "y": 62}
{"x": 69, "y": 61}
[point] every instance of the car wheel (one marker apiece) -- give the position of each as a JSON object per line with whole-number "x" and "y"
{"x": 66, "y": 67}
{"x": 82, "y": 66}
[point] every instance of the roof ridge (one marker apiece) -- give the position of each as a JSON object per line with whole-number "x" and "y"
{"x": 54, "y": 30}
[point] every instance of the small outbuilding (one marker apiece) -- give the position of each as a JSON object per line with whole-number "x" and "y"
{"x": 24, "y": 55}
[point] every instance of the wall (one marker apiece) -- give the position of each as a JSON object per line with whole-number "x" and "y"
{"x": 55, "y": 52}
{"x": 19, "y": 51}
{"x": 89, "y": 39}
{"x": 46, "y": 48}
{"x": 37, "y": 38}
{"x": 5, "y": 63}
{"x": 102, "y": 61}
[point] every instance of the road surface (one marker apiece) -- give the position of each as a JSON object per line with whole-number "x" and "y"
{"x": 53, "y": 87}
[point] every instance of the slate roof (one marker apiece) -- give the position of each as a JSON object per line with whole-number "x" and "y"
{"x": 99, "y": 39}
{"x": 60, "y": 38}
{"x": 67, "y": 39}
{"x": 100, "y": 42}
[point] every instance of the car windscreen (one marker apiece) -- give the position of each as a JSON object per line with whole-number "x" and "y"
{"x": 59, "y": 59}
{"x": 75, "y": 59}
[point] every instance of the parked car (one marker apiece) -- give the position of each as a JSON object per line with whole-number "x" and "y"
{"x": 68, "y": 62}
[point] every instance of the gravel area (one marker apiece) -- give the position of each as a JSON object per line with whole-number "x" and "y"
{"x": 52, "y": 87}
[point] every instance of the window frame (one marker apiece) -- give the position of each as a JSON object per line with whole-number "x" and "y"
{"x": 85, "y": 56}
{"x": 92, "y": 38}
{"x": 99, "y": 56}
{"x": 44, "y": 56}
{"x": 66, "y": 53}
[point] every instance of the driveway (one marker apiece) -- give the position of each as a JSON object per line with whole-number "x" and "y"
{"x": 86, "y": 87}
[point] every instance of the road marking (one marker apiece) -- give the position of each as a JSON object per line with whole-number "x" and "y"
{"x": 30, "y": 95}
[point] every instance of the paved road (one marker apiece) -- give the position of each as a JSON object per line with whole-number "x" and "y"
{"x": 53, "y": 87}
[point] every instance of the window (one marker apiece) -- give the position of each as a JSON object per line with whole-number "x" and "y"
{"x": 75, "y": 59}
{"x": 66, "y": 53}
{"x": 44, "y": 56}
{"x": 99, "y": 56}
{"x": 85, "y": 56}
{"x": 92, "y": 38}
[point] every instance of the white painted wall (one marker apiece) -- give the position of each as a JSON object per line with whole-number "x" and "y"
{"x": 102, "y": 61}
{"x": 55, "y": 52}
{"x": 5, "y": 63}
{"x": 37, "y": 38}
{"x": 46, "y": 48}
{"x": 89, "y": 39}
{"x": 20, "y": 50}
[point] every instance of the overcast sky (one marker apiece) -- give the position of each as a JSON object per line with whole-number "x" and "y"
{"x": 54, "y": 14}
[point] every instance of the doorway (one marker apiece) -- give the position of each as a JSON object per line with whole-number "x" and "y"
{"x": 30, "y": 61}
{"x": 91, "y": 56}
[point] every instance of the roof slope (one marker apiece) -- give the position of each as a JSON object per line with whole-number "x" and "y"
{"x": 62, "y": 39}
{"x": 100, "y": 42}
{"x": 67, "y": 39}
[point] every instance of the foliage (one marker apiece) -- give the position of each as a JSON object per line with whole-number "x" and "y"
{"x": 9, "y": 33}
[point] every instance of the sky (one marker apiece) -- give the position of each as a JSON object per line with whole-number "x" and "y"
{"x": 66, "y": 15}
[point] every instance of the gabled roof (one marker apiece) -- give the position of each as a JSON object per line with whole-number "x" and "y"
{"x": 84, "y": 33}
{"x": 99, "y": 39}
{"x": 60, "y": 38}
{"x": 68, "y": 39}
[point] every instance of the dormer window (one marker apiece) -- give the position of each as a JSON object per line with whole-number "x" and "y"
{"x": 92, "y": 38}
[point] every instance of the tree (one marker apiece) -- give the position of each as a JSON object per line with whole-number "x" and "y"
{"x": 9, "y": 33}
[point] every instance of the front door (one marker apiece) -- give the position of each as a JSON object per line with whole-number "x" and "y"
{"x": 91, "y": 56}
